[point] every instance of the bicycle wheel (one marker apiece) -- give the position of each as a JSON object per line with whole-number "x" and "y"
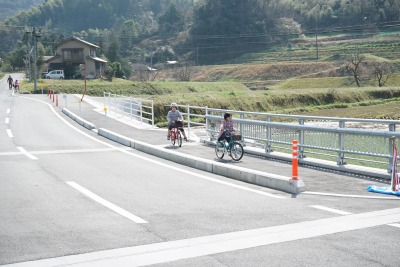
{"x": 219, "y": 150}
{"x": 173, "y": 137}
{"x": 179, "y": 139}
{"x": 237, "y": 151}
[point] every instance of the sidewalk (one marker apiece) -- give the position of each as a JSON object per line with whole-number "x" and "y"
{"x": 315, "y": 179}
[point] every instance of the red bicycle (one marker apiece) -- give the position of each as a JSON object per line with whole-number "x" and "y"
{"x": 176, "y": 136}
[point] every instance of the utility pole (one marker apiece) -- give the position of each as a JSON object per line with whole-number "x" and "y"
{"x": 27, "y": 60}
{"x": 35, "y": 36}
{"x": 316, "y": 35}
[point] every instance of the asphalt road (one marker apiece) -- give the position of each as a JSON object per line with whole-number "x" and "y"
{"x": 68, "y": 196}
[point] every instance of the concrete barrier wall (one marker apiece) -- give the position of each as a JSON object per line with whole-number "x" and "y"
{"x": 269, "y": 180}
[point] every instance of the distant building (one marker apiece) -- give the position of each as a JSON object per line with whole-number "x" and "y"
{"x": 73, "y": 52}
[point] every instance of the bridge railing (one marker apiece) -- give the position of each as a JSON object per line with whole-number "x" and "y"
{"x": 343, "y": 140}
{"x": 135, "y": 108}
{"x": 344, "y": 145}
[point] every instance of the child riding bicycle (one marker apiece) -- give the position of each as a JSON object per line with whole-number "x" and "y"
{"x": 227, "y": 129}
{"x": 175, "y": 119}
{"x": 16, "y": 85}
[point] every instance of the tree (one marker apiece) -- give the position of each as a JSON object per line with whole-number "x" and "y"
{"x": 379, "y": 73}
{"x": 287, "y": 27}
{"x": 113, "y": 51}
{"x": 223, "y": 29}
{"x": 354, "y": 66}
{"x": 184, "y": 72}
{"x": 171, "y": 21}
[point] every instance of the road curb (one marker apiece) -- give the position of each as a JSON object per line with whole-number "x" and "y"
{"x": 79, "y": 120}
{"x": 269, "y": 180}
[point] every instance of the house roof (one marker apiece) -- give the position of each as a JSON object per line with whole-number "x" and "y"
{"x": 73, "y": 38}
{"x": 142, "y": 67}
{"x": 97, "y": 59}
{"x": 47, "y": 59}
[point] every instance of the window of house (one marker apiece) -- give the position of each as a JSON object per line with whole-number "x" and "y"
{"x": 92, "y": 53}
{"x": 67, "y": 54}
{"x": 73, "y": 54}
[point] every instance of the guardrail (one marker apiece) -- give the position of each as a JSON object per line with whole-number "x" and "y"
{"x": 136, "y": 108}
{"x": 345, "y": 140}
{"x": 342, "y": 144}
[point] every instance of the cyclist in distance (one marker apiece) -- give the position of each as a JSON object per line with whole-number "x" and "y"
{"x": 16, "y": 85}
{"x": 226, "y": 128}
{"x": 175, "y": 119}
{"x": 10, "y": 82}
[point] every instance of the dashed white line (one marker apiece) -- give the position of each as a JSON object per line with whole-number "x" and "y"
{"x": 26, "y": 153}
{"x": 7, "y": 120}
{"x": 331, "y": 210}
{"x": 9, "y": 133}
{"x": 8, "y": 111}
{"x": 106, "y": 203}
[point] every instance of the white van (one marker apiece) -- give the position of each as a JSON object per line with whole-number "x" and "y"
{"x": 55, "y": 74}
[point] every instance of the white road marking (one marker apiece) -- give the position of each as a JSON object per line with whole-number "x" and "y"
{"x": 8, "y": 111}
{"x": 10, "y": 153}
{"x": 208, "y": 245}
{"x": 9, "y": 133}
{"x": 71, "y": 151}
{"x": 67, "y": 151}
{"x": 331, "y": 210}
{"x": 395, "y": 225}
{"x": 350, "y": 196}
{"x": 7, "y": 120}
{"x": 191, "y": 173}
{"x": 106, "y": 203}
{"x": 26, "y": 153}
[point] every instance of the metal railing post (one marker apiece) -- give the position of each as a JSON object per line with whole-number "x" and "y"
{"x": 340, "y": 159}
{"x": 392, "y": 128}
{"x": 104, "y": 97}
{"x": 141, "y": 111}
{"x": 268, "y": 144}
{"x": 131, "y": 106}
{"x": 207, "y": 125}
{"x": 109, "y": 102}
{"x": 241, "y": 125}
{"x": 301, "y": 140}
{"x": 115, "y": 102}
{"x": 152, "y": 112}
{"x": 188, "y": 119}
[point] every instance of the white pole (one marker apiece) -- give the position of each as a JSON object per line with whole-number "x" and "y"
{"x": 188, "y": 118}
{"x": 141, "y": 111}
{"x": 130, "y": 101}
{"x": 152, "y": 112}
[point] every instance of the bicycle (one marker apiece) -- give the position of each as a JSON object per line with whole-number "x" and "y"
{"x": 176, "y": 136}
{"x": 233, "y": 148}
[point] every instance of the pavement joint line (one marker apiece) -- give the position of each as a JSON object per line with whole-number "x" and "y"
{"x": 26, "y": 153}
{"x": 191, "y": 173}
{"x": 171, "y": 251}
{"x": 331, "y": 210}
{"x": 106, "y": 203}
{"x": 349, "y": 196}
{"x": 9, "y": 133}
